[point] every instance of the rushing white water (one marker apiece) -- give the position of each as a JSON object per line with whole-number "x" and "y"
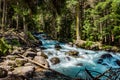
{"x": 75, "y": 66}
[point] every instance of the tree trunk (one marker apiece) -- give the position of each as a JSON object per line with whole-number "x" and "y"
{"x": 3, "y": 16}
{"x": 25, "y": 28}
{"x": 17, "y": 19}
{"x": 77, "y": 22}
{"x": 0, "y": 12}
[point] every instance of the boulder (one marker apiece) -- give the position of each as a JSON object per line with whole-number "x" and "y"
{"x": 72, "y": 53}
{"x": 106, "y": 56}
{"x": 38, "y": 49}
{"x": 16, "y": 51}
{"x": 10, "y": 63}
{"x": 13, "y": 77}
{"x": 41, "y": 53}
{"x": 41, "y": 60}
{"x": 28, "y": 64}
{"x": 57, "y": 46}
{"x": 31, "y": 50}
{"x": 11, "y": 57}
{"x": 55, "y": 60}
{"x": 68, "y": 58}
{"x": 20, "y": 61}
{"x": 3, "y": 72}
{"x": 79, "y": 64}
{"x": 25, "y": 71}
{"x": 30, "y": 54}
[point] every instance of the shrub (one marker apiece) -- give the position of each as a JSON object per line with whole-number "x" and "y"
{"x": 4, "y": 47}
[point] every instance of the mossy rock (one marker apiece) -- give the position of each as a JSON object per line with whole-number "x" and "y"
{"x": 55, "y": 60}
{"x": 72, "y": 53}
{"x": 20, "y": 62}
{"x": 41, "y": 53}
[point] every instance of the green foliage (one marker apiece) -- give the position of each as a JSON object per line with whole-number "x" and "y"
{"x": 87, "y": 44}
{"x": 30, "y": 36}
{"x": 4, "y": 47}
{"x": 15, "y": 42}
{"x": 105, "y": 47}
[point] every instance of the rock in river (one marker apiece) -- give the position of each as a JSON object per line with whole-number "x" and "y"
{"x": 41, "y": 53}
{"x": 55, "y": 60}
{"x": 41, "y": 60}
{"x": 106, "y": 56}
{"x": 57, "y": 46}
{"x": 72, "y": 53}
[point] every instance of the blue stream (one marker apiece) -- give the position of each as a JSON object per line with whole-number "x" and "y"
{"x": 75, "y": 67}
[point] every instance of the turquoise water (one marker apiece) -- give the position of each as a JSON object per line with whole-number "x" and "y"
{"x": 75, "y": 67}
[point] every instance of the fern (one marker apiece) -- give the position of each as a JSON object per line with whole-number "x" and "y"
{"x": 4, "y": 47}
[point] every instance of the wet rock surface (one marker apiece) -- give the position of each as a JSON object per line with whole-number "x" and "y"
{"x": 41, "y": 53}
{"x": 57, "y": 46}
{"x": 72, "y": 53}
{"x": 41, "y": 60}
{"x": 106, "y": 56}
{"x": 55, "y": 60}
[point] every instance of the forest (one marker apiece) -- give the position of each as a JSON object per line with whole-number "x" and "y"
{"x": 86, "y": 24}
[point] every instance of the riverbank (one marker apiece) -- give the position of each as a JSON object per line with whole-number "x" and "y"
{"x": 14, "y": 67}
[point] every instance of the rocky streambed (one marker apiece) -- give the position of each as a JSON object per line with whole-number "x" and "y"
{"x": 14, "y": 67}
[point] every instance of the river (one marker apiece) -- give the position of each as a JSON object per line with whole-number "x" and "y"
{"x": 95, "y": 61}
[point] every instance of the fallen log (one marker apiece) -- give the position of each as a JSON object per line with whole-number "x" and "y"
{"x": 32, "y": 61}
{"x": 99, "y": 76}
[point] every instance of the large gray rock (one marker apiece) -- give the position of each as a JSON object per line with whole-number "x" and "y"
{"x": 72, "y": 53}
{"x": 11, "y": 57}
{"x": 30, "y": 54}
{"x": 55, "y": 60}
{"x": 3, "y": 72}
{"x": 10, "y": 63}
{"x": 26, "y": 71}
{"x": 106, "y": 56}
{"x": 41, "y": 53}
{"x": 41, "y": 60}
{"x": 31, "y": 49}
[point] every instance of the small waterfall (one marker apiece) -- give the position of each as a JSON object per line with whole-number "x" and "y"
{"x": 74, "y": 66}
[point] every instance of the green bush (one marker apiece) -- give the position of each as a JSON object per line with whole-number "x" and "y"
{"x": 88, "y": 44}
{"x": 30, "y": 36}
{"x": 105, "y": 47}
{"x": 4, "y": 47}
{"x": 15, "y": 42}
